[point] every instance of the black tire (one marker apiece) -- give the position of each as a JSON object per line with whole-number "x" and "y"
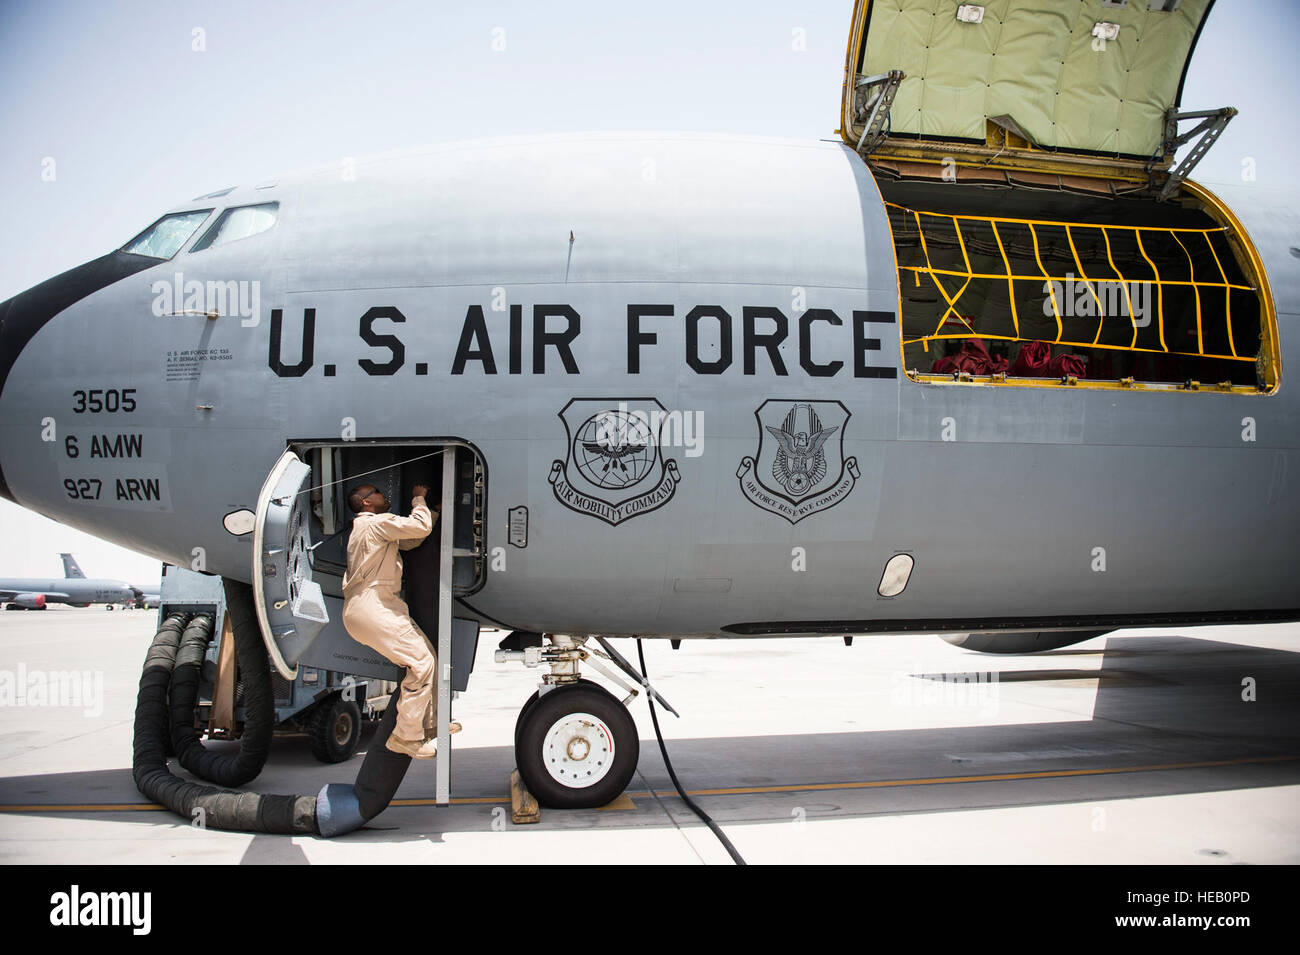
{"x": 533, "y": 759}
{"x": 519, "y": 721}
{"x": 335, "y": 729}
{"x": 528, "y": 704}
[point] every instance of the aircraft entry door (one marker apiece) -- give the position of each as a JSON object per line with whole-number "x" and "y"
{"x": 299, "y": 558}
{"x": 290, "y": 606}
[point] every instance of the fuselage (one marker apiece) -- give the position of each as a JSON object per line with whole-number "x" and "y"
{"x": 505, "y": 294}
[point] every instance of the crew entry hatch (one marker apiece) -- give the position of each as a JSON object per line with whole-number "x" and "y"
{"x": 300, "y": 547}
{"x": 290, "y": 606}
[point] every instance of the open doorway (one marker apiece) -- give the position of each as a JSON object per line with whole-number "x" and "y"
{"x": 1031, "y": 287}
{"x": 395, "y": 468}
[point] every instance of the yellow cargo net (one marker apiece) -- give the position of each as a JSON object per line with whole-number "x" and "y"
{"x": 1178, "y": 252}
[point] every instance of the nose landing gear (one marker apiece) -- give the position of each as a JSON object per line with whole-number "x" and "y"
{"x": 576, "y": 744}
{"x": 578, "y": 747}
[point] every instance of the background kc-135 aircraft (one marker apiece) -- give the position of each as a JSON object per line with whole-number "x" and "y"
{"x": 73, "y": 588}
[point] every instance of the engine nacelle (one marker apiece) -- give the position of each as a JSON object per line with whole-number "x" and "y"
{"x": 29, "y": 601}
{"x": 1031, "y": 642}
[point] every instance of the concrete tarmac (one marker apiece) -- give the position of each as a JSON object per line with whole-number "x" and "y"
{"x": 1145, "y": 746}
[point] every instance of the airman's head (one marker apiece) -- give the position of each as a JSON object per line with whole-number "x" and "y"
{"x": 366, "y": 497}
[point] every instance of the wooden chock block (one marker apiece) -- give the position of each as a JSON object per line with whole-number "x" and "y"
{"x": 523, "y": 805}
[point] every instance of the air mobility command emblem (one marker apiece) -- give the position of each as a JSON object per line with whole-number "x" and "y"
{"x": 614, "y": 469}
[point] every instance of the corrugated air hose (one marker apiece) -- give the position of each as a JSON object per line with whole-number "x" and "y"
{"x": 175, "y": 643}
{"x": 259, "y": 704}
{"x": 171, "y": 672}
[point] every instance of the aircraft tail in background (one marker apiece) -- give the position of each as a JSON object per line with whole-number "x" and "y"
{"x": 70, "y": 568}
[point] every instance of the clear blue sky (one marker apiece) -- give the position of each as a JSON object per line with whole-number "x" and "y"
{"x": 136, "y": 120}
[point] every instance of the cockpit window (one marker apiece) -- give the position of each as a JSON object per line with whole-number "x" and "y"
{"x": 239, "y": 223}
{"x": 164, "y": 238}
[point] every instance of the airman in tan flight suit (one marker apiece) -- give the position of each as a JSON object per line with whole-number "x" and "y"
{"x": 376, "y": 616}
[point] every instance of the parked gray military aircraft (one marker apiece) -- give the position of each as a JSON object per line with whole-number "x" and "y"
{"x": 74, "y": 588}
{"x": 142, "y": 598}
{"x": 989, "y": 364}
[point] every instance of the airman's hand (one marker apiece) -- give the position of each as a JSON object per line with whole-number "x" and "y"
{"x": 420, "y": 490}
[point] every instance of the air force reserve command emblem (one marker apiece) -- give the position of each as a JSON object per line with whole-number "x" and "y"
{"x": 614, "y": 469}
{"x": 800, "y": 467}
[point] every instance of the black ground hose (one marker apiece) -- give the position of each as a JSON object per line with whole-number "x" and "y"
{"x": 164, "y": 722}
{"x": 259, "y": 704}
{"x": 704, "y": 817}
{"x": 254, "y": 673}
{"x": 382, "y": 770}
{"x": 207, "y": 806}
{"x": 342, "y": 808}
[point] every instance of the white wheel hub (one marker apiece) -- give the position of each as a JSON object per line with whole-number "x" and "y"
{"x": 578, "y": 750}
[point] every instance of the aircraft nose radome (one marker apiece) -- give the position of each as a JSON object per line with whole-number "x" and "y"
{"x": 22, "y": 316}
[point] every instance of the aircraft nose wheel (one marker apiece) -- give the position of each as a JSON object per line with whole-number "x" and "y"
{"x": 577, "y": 747}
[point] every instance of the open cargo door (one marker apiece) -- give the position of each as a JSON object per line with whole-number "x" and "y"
{"x": 290, "y": 606}
{"x": 1020, "y": 90}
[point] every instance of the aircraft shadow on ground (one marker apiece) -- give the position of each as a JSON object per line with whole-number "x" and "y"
{"x": 1160, "y": 702}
